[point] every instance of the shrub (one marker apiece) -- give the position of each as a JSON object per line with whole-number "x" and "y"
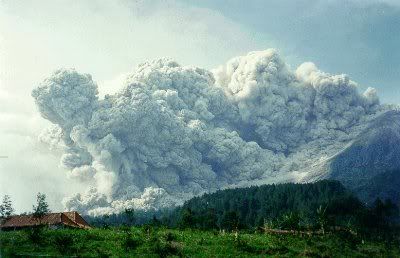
{"x": 131, "y": 243}
{"x": 349, "y": 238}
{"x": 64, "y": 243}
{"x": 170, "y": 237}
{"x": 242, "y": 244}
{"x": 35, "y": 235}
{"x": 163, "y": 247}
{"x": 290, "y": 221}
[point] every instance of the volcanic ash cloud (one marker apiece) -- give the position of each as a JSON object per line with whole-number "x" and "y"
{"x": 173, "y": 132}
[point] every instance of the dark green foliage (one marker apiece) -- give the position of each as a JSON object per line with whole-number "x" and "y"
{"x": 155, "y": 222}
{"x": 41, "y": 208}
{"x": 385, "y": 212}
{"x": 170, "y": 237}
{"x": 6, "y": 208}
{"x": 232, "y": 219}
{"x": 35, "y": 234}
{"x": 290, "y": 221}
{"x": 229, "y": 221}
{"x": 131, "y": 243}
{"x": 289, "y": 206}
{"x": 64, "y": 243}
{"x": 130, "y": 216}
{"x": 140, "y": 217}
{"x": 187, "y": 218}
{"x": 243, "y": 245}
{"x": 322, "y": 219}
{"x": 350, "y": 239}
{"x": 192, "y": 243}
{"x": 164, "y": 245}
{"x": 316, "y": 206}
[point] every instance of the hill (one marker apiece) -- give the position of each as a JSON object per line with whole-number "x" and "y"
{"x": 253, "y": 206}
{"x": 385, "y": 185}
{"x": 310, "y": 206}
{"x": 368, "y": 166}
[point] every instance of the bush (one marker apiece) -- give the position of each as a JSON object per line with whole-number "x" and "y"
{"x": 170, "y": 237}
{"x": 349, "y": 238}
{"x": 35, "y": 235}
{"x": 164, "y": 249}
{"x": 64, "y": 243}
{"x": 290, "y": 221}
{"x": 164, "y": 246}
{"x": 131, "y": 243}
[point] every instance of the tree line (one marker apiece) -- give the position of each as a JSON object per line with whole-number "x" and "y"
{"x": 322, "y": 205}
{"x": 314, "y": 206}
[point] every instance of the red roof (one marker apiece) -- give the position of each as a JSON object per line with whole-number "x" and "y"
{"x": 71, "y": 219}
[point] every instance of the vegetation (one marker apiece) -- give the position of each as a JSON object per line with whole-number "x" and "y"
{"x": 41, "y": 208}
{"x": 35, "y": 234}
{"x": 323, "y": 206}
{"x": 322, "y": 219}
{"x": 148, "y": 241}
{"x": 6, "y": 208}
{"x": 251, "y": 207}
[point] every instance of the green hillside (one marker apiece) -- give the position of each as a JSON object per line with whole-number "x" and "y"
{"x": 284, "y": 205}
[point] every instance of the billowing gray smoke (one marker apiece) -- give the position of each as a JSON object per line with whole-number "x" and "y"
{"x": 173, "y": 132}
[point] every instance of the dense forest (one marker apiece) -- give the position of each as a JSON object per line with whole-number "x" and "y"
{"x": 254, "y": 206}
{"x": 314, "y": 206}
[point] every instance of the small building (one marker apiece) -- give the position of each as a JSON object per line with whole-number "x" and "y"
{"x": 53, "y": 220}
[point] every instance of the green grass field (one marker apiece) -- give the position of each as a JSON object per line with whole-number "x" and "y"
{"x": 149, "y": 242}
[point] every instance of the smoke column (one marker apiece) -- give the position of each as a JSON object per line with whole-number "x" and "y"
{"x": 174, "y": 132}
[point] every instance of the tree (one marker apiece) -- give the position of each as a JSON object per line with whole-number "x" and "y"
{"x": 187, "y": 219}
{"x": 230, "y": 221}
{"x": 41, "y": 208}
{"x": 155, "y": 222}
{"x": 385, "y": 212}
{"x": 35, "y": 234}
{"x": 210, "y": 219}
{"x": 130, "y": 216}
{"x": 6, "y": 209}
{"x": 322, "y": 219}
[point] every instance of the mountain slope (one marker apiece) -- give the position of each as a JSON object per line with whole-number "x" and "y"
{"x": 384, "y": 186}
{"x": 368, "y": 165}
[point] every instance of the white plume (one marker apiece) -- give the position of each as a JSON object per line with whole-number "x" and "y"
{"x": 173, "y": 132}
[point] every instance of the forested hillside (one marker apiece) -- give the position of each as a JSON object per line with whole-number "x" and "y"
{"x": 286, "y": 206}
{"x": 309, "y": 206}
{"x": 254, "y": 206}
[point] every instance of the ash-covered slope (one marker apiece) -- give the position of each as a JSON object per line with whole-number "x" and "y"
{"x": 372, "y": 155}
{"x": 173, "y": 132}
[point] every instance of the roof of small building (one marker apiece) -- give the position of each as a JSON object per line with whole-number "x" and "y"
{"x": 72, "y": 219}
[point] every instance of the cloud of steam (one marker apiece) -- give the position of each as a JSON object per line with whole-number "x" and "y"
{"x": 173, "y": 132}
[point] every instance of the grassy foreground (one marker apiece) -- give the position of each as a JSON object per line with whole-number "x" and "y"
{"x": 150, "y": 242}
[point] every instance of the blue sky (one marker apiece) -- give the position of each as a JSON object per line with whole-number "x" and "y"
{"x": 359, "y": 38}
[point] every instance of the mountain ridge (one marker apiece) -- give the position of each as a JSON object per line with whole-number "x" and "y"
{"x": 372, "y": 154}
